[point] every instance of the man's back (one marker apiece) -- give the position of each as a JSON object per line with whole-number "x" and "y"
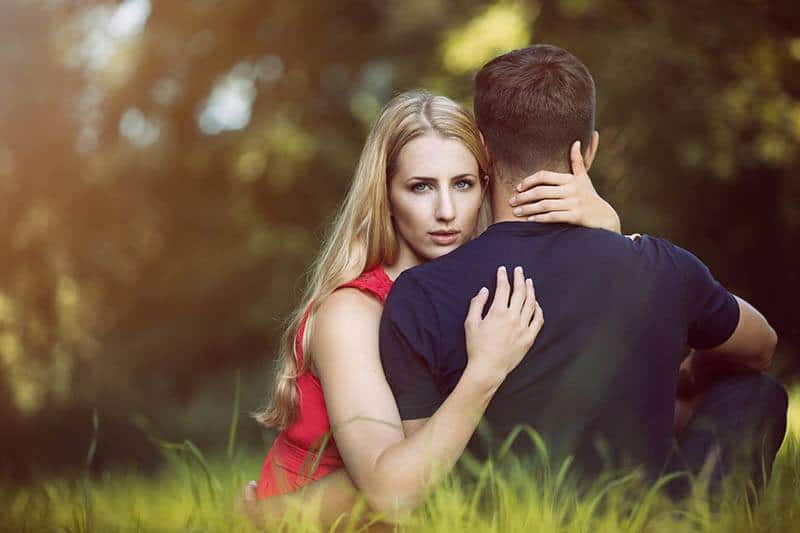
{"x": 618, "y": 315}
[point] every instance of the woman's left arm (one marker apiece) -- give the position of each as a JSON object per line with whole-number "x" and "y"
{"x": 560, "y": 197}
{"x": 321, "y": 502}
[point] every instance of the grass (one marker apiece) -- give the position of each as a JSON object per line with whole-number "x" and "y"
{"x": 192, "y": 493}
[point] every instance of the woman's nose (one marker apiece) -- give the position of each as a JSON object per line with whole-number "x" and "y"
{"x": 445, "y": 210}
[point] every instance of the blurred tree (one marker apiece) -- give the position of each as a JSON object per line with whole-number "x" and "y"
{"x": 166, "y": 169}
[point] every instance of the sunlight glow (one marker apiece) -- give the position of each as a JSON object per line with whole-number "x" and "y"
{"x": 502, "y": 27}
{"x": 230, "y": 104}
{"x": 129, "y": 18}
{"x": 137, "y": 128}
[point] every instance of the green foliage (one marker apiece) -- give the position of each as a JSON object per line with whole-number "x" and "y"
{"x": 501, "y": 499}
{"x": 146, "y": 254}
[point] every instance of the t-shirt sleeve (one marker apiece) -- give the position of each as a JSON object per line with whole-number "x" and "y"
{"x": 408, "y": 342}
{"x": 713, "y": 312}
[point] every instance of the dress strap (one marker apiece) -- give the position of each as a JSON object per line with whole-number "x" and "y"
{"x": 374, "y": 281}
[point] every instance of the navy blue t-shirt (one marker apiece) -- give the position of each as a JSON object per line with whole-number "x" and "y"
{"x": 602, "y": 373}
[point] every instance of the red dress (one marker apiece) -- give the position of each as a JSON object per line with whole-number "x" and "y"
{"x": 290, "y": 462}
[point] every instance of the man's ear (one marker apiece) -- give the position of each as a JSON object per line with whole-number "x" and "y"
{"x": 588, "y": 157}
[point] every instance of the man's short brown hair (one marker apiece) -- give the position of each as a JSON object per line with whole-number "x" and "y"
{"x": 531, "y": 105}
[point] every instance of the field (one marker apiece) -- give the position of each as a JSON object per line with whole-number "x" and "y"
{"x": 193, "y": 493}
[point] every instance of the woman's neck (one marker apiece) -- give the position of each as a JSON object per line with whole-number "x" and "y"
{"x": 405, "y": 260}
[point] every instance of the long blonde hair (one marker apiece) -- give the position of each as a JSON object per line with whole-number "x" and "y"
{"x": 363, "y": 235}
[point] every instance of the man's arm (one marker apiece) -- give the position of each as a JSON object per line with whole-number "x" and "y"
{"x": 728, "y": 334}
{"x": 749, "y": 349}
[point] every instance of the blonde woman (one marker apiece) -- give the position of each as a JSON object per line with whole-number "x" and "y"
{"x": 419, "y": 192}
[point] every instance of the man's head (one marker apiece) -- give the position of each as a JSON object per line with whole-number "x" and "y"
{"x": 531, "y": 105}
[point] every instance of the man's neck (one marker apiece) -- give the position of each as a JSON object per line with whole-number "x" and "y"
{"x": 501, "y": 210}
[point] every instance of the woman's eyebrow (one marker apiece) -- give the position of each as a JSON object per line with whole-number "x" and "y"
{"x": 456, "y": 177}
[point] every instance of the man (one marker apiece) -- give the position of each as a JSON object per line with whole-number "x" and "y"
{"x": 600, "y": 381}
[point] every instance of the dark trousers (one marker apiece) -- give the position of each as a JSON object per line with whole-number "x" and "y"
{"x": 735, "y": 432}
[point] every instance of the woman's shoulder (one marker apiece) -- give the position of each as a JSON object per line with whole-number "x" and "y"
{"x": 347, "y": 302}
{"x": 355, "y": 303}
{"x": 373, "y": 281}
{"x": 353, "y": 309}
{"x": 344, "y": 322}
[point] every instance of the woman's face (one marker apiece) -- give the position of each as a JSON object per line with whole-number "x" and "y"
{"x": 434, "y": 195}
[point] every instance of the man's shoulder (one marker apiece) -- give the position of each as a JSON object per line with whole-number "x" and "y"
{"x": 662, "y": 250}
{"x": 658, "y": 255}
{"x": 637, "y": 244}
{"x": 406, "y": 294}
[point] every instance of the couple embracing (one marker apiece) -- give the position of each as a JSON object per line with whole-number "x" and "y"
{"x": 421, "y": 319}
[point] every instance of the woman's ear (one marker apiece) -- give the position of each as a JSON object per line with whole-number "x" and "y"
{"x": 484, "y": 185}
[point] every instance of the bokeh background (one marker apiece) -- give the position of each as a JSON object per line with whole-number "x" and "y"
{"x": 168, "y": 167}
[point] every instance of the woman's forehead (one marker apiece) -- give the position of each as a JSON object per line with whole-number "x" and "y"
{"x": 435, "y": 156}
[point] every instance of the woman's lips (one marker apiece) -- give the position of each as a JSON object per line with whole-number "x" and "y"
{"x": 444, "y": 238}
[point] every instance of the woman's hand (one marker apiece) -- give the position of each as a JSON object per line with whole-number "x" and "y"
{"x": 557, "y": 197}
{"x": 323, "y": 502}
{"x": 497, "y": 342}
{"x": 248, "y": 506}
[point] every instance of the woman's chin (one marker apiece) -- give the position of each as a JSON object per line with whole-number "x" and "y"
{"x": 436, "y": 252}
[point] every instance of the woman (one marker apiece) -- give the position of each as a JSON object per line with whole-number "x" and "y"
{"x": 419, "y": 192}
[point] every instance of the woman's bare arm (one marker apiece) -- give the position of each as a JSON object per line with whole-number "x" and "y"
{"x": 392, "y": 471}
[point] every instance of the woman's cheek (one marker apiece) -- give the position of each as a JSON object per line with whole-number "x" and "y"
{"x": 471, "y": 208}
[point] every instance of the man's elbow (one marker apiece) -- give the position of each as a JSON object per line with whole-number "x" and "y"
{"x": 768, "y": 350}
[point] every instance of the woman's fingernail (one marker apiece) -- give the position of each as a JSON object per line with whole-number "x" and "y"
{"x": 517, "y": 211}
{"x": 512, "y": 200}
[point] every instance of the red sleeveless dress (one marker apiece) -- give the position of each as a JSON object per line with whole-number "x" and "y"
{"x": 290, "y": 462}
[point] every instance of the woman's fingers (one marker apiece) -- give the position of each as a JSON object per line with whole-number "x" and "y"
{"x": 543, "y": 192}
{"x": 570, "y": 217}
{"x": 576, "y": 158}
{"x": 543, "y": 177}
{"x": 250, "y": 491}
{"x": 476, "y": 306}
{"x": 518, "y": 295}
{"x": 537, "y": 322}
{"x": 545, "y": 206}
{"x": 529, "y": 308}
{"x": 503, "y": 290}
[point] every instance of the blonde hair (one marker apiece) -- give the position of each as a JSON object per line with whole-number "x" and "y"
{"x": 362, "y": 235}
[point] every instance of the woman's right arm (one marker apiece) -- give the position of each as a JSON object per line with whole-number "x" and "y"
{"x": 392, "y": 471}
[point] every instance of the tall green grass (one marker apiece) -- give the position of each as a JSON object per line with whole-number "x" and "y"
{"x": 195, "y": 493}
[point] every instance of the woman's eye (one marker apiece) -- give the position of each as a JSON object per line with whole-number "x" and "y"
{"x": 463, "y": 185}
{"x": 419, "y": 187}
